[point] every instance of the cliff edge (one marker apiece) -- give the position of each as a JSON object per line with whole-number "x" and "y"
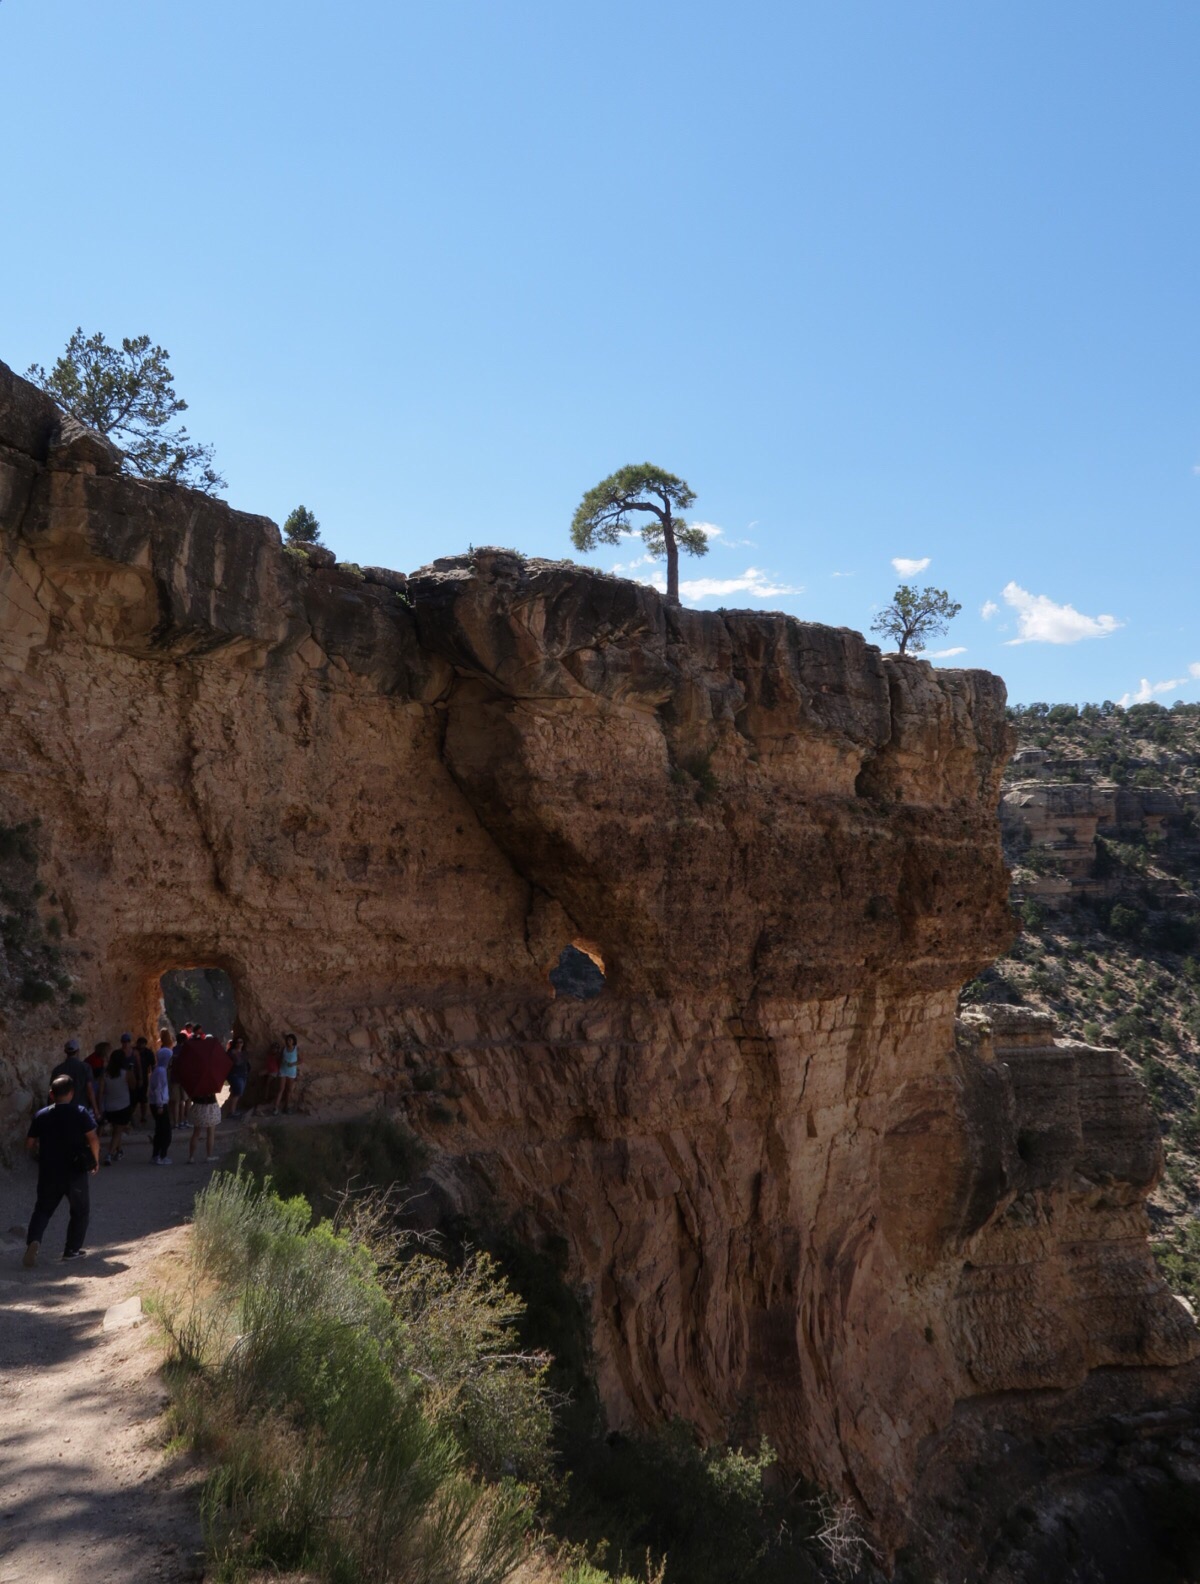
{"x": 788, "y": 1188}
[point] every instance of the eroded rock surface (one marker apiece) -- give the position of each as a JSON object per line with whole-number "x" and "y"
{"x": 385, "y": 806}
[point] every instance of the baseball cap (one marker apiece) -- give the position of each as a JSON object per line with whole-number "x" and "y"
{"x": 72, "y": 1044}
{"x": 125, "y": 1037}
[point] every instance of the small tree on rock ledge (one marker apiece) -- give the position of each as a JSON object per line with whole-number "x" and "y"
{"x": 302, "y": 527}
{"x": 603, "y": 516}
{"x": 914, "y": 616}
{"x": 128, "y": 394}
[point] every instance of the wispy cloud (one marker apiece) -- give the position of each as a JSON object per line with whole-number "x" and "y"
{"x": 1148, "y": 689}
{"x": 753, "y": 582}
{"x": 945, "y": 654}
{"x": 988, "y": 609}
{"x": 908, "y": 567}
{"x": 714, "y": 532}
{"x": 843, "y": 574}
{"x": 1040, "y": 620}
{"x": 632, "y": 566}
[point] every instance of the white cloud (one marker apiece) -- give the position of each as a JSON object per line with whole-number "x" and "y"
{"x": 1040, "y": 620}
{"x": 842, "y": 574}
{"x": 710, "y": 530}
{"x": 758, "y": 585}
{"x": 631, "y": 566}
{"x": 907, "y": 567}
{"x": 1148, "y": 689}
{"x": 988, "y": 609}
{"x": 945, "y": 654}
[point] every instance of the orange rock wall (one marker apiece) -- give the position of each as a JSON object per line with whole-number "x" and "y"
{"x": 784, "y": 1186}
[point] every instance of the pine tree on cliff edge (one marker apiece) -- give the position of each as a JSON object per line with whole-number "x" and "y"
{"x": 914, "y": 616}
{"x": 603, "y": 516}
{"x": 128, "y": 394}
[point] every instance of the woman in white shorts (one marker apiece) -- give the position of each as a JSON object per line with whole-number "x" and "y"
{"x": 204, "y": 1114}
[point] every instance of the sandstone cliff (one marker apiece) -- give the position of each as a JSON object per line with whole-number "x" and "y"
{"x": 784, "y": 1187}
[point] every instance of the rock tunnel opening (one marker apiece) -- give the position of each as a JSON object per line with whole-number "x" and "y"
{"x": 579, "y": 973}
{"x": 203, "y": 995}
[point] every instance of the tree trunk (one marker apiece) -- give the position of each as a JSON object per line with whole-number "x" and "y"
{"x": 672, "y": 560}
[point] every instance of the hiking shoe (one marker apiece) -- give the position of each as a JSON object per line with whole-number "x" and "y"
{"x": 108, "y": 1160}
{"x": 76, "y": 1254}
{"x": 163, "y": 1160}
{"x": 31, "y": 1254}
{"x": 119, "y": 1154}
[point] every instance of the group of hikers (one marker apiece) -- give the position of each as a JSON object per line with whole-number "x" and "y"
{"x": 178, "y": 1084}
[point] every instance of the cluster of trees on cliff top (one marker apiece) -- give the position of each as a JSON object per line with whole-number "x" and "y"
{"x": 128, "y": 394}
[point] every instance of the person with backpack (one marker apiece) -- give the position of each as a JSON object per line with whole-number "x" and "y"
{"x": 159, "y": 1093}
{"x": 63, "y": 1137}
{"x": 117, "y": 1101}
{"x": 144, "y": 1057}
{"x": 79, "y": 1071}
{"x": 239, "y": 1074}
{"x": 179, "y": 1099}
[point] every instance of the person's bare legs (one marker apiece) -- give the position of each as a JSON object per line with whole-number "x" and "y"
{"x": 210, "y": 1143}
{"x": 192, "y": 1142}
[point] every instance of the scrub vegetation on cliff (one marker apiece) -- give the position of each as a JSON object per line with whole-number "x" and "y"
{"x": 365, "y": 1409}
{"x": 1102, "y": 827}
{"x": 31, "y": 927}
{"x": 378, "y": 1405}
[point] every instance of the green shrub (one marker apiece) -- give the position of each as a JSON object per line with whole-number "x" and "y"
{"x": 706, "y": 1514}
{"x": 1179, "y": 1258}
{"x": 301, "y": 1373}
{"x": 1033, "y": 916}
{"x": 1126, "y": 923}
{"x": 696, "y": 772}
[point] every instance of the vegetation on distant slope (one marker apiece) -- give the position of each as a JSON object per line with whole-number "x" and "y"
{"x": 1121, "y": 967}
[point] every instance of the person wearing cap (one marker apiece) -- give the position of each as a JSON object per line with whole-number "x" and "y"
{"x": 80, "y": 1074}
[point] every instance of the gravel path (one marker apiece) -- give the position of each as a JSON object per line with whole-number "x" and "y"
{"x": 88, "y": 1493}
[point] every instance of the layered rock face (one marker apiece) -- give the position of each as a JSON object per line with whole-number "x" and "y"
{"x": 789, "y": 1194}
{"x": 1066, "y": 819}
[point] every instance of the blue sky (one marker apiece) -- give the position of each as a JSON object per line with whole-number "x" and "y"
{"x": 910, "y": 281}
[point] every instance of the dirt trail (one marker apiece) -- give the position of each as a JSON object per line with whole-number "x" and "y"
{"x": 88, "y": 1494}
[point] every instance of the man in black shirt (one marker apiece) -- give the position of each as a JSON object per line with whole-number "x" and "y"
{"x": 80, "y": 1072}
{"x": 64, "y": 1138}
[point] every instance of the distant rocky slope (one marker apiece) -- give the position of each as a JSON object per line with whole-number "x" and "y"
{"x": 1101, "y": 820}
{"x": 790, "y": 1193}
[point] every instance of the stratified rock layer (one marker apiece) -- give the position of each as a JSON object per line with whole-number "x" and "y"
{"x": 783, "y": 1186}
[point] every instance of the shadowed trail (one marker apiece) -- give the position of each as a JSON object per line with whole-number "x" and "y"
{"x": 88, "y": 1494}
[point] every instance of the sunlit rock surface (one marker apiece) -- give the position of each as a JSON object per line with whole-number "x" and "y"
{"x": 789, "y": 1191}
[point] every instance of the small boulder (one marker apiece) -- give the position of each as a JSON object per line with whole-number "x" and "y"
{"x": 386, "y": 578}
{"x": 74, "y": 448}
{"x": 319, "y": 555}
{"x": 126, "y": 1313}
